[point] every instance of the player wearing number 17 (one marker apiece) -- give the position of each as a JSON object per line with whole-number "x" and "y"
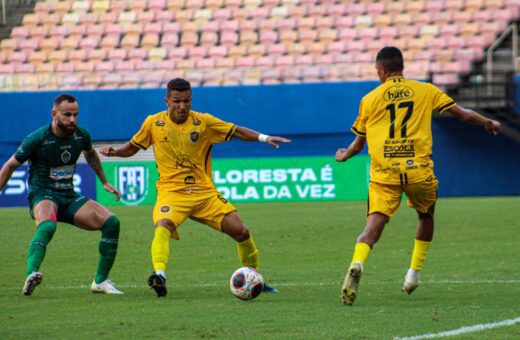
{"x": 395, "y": 120}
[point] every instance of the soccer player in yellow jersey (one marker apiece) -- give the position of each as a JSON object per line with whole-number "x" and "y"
{"x": 395, "y": 120}
{"x": 182, "y": 140}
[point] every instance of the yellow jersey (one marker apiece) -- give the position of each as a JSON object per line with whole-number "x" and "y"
{"x": 395, "y": 118}
{"x": 183, "y": 151}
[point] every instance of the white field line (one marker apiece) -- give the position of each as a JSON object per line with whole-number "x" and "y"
{"x": 282, "y": 284}
{"x": 463, "y": 330}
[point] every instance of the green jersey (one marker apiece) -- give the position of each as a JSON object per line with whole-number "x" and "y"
{"x": 52, "y": 159}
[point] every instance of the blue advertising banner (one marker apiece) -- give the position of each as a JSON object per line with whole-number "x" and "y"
{"x": 15, "y": 191}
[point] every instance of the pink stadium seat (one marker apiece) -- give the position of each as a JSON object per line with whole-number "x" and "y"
{"x": 145, "y": 17}
{"x": 143, "y": 65}
{"x": 97, "y": 55}
{"x": 265, "y": 61}
{"x": 216, "y": 52}
{"x": 291, "y": 75}
{"x": 198, "y": 52}
{"x": 108, "y": 18}
{"x": 288, "y": 24}
{"x": 229, "y": 26}
{"x": 170, "y": 40}
{"x": 271, "y": 76}
{"x": 104, "y": 66}
{"x": 222, "y": 15}
{"x": 89, "y": 18}
{"x": 44, "y": 68}
{"x": 257, "y": 50}
{"x": 225, "y": 63}
{"x": 59, "y": 32}
{"x": 67, "y": 67}
{"x": 77, "y": 55}
{"x": 78, "y": 31}
{"x": 325, "y": 59}
{"x": 276, "y": 50}
{"x": 337, "y": 10}
{"x": 149, "y": 40}
{"x": 356, "y": 9}
{"x": 29, "y": 45}
{"x": 156, "y": 5}
{"x": 6, "y": 68}
{"x": 37, "y": 57}
{"x": 246, "y": 61}
{"x": 445, "y": 79}
{"x": 209, "y": 38}
{"x": 24, "y": 68}
{"x": 295, "y": 49}
{"x": 8, "y": 45}
{"x": 190, "y": 39}
{"x": 284, "y": 61}
{"x": 50, "y": 44}
{"x": 19, "y": 33}
{"x": 58, "y": 56}
{"x": 228, "y": 39}
{"x": 95, "y": 30}
{"x": 304, "y": 60}
{"x": 130, "y": 80}
{"x": 205, "y": 63}
{"x": 171, "y": 28}
{"x": 215, "y": 4}
{"x": 178, "y": 53}
{"x": 109, "y": 42}
{"x": 482, "y": 16}
{"x": 117, "y": 55}
{"x": 110, "y": 81}
{"x": 163, "y": 17}
{"x": 137, "y": 54}
{"x": 448, "y": 30}
{"x": 375, "y": 8}
{"x": 86, "y": 67}
{"x": 129, "y": 42}
{"x": 89, "y": 43}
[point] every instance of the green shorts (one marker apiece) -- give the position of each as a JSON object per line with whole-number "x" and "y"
{"x": 68, "y": 203}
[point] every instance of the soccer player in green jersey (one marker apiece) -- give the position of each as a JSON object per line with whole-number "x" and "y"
{"x": 52, "y": 152}
{"x": 395, "y": 121}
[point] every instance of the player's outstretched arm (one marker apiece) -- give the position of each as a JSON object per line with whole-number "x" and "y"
{"x": 93, "y": 160}
{"x": 7, "y": 171}
{"x": 246, "y": 134}
{"x": 126, "y": 150}
{"x": 470, "y": 116}
{"x": 353, "y": 149}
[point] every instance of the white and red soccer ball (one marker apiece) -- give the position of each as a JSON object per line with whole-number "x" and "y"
{"x": 246, "y": 283}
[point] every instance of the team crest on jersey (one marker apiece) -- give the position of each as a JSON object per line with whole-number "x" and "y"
{"x": 196, "y": 121}
{"x": 65, "y": 156}
{"x": 159, "y": 123}
{"x": 194, "y": 136}
{"x": 189, "y": 180}
{"x": 165, "y": 209}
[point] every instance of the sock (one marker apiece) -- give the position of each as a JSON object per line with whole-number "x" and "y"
{"x": 420, "y": 249}
{"x": 43, "y": 236}
{"x": 107, "y": 248}
{"x": 248, "y": 253}
{"x": 160, "y": 248}
{"x": 361, "y": 251}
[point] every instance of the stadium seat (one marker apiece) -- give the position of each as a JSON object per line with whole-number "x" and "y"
{"x": 124, "y": 65}
{"x": 170, "y": 40}
{"x": 97, "y": 55}
{"x": 137, "y": 54}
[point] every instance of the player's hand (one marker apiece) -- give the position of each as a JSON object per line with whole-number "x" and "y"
{"x": 107, "y": 151}
{"x": 274, "y": 140}
{"x": 341, "y": 155}
{"x": 493, "y": 126}
{"x": 110, "y": 188}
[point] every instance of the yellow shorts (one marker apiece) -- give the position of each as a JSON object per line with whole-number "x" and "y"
{"x": 386, "y": 198}
{"x": 208, "y": 208}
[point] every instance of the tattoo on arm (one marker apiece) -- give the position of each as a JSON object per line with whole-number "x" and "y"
{"x": 94, "y": 162}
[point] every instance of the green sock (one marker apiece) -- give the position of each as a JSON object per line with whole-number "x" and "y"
{"x": 107, "y": 247}
{"x": 43, "y": 236}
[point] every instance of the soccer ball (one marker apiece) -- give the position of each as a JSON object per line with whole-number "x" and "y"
{"x": 246, "y": 283}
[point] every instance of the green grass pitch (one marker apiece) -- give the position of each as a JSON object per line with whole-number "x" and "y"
{"x": 471, "y": 276}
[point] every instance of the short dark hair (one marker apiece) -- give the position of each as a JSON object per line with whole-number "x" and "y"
{"x": 178, "y": 84}
{"x": 390, "y": 58}
{"x": 64, "y": 97}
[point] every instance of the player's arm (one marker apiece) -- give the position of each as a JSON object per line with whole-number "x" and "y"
{"x": 92, "y": 158}
{"x": 472, "y": 117}
{"x": 353, "y": 149}
{"x": 7, "y": 171}
{"x": 249, "y": 135}
{"x": 126, "y": 150}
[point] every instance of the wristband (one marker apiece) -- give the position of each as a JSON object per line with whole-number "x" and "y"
{"x": 263, "y": 138}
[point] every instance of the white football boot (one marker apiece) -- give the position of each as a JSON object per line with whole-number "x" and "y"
{"x": 350, "y": 286}
{"x": 31, "y": 282}
{"x": 106, "y": 287}
{"x": 411, "y": 281}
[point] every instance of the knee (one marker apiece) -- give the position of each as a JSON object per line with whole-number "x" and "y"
{"x": 166, "y": 223}
{"x": 111, "y": 227}
{"x": 242, "y": 235}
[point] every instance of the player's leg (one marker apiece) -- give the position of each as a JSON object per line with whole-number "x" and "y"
{"x": 383, "y": 201}
{"x": 44, "y": 212}
{"x": 90, "y": 215}
{"x": 167, "y": 217}
{"x": 422, "y": 197}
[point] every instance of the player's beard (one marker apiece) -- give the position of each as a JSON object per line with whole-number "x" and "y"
{"x": 66, "y": 129}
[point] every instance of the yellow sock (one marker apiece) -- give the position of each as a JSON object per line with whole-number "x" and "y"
{"x": 248, "y": 253}
{"x": 420, "y": 249}
{"x": 361, "y": 251}
{"x": 160, "y": 248}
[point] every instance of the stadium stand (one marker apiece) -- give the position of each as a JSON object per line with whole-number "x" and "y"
{"x": 115, "y": 44}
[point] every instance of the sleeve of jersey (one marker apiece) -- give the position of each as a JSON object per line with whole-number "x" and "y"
{"x": 441, "y": 101}
{"x": 24, "y": 151}
{"x": 143, "y": 138}
{"x": 220, "y": 131}
{"x": 359, "y": 127}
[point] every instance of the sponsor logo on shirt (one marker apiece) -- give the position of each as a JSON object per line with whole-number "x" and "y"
{"x": 398, "y": 92}
{"x": 62, "y": 172}
{"x": 65, "y": 156}
{"x": 196, "y": 121}
{"x": 159, "y": 123}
